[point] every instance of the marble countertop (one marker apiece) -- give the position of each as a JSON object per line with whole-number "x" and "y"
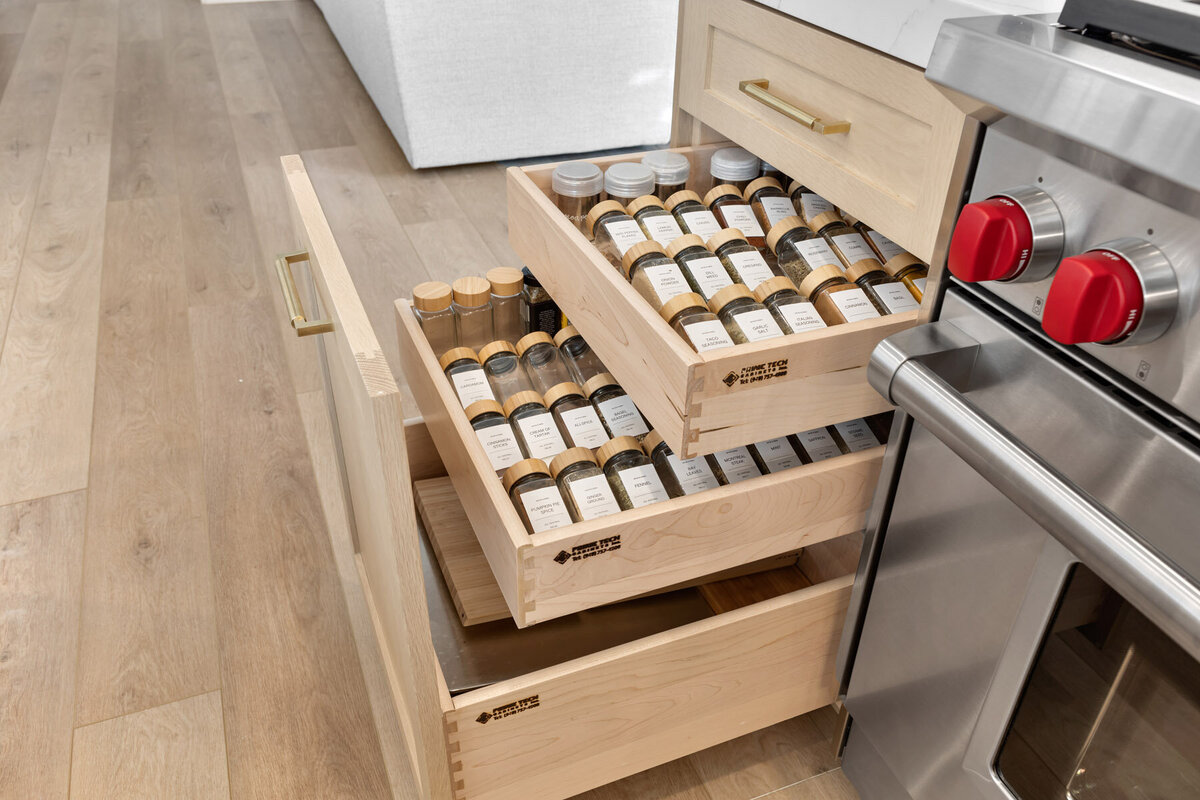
{"x": 905, "y": 29}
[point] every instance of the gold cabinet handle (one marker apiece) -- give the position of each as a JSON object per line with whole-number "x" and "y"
{"x": 295, "y": 309}
{"x": 757, "y": 89}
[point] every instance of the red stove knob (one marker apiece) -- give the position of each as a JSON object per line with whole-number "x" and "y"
{"x": 1010, "y": 236}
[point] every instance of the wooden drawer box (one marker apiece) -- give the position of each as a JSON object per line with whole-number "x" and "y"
{"x": 589, "y": 564}
{"x": 699, "y": 402}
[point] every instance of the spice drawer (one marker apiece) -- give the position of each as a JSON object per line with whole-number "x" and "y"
{"x": 699, "y": 402}
{"x": 904, "y": 157}
{"x": 547, "y": 575}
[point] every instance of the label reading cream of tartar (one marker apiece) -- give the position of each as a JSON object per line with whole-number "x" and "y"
{"x": 471, "y": 385}
{"x": 737, "y": 464}
{"x": 742, "y": 217}
{"x": 801, "y": 316}
{"x": 709, "y": 274}
{"x": 541, "y": 436}
{"x": 854, "y": 247}
{"x": 854, "y": 305}
{"x": 776, "y": 209}
{"x": 818, "y": 444}
{"x": 857, "y": 435}
{"x": 694, "y": 474}
{"x": 751, "y": 267}
{"x": 707, "y": 334}
{"x": 777, "y": 454}
{"x": 545, "y": 509}
{"x": 896, "y": 297}
{"x": 593, "y": 497}
{"x": 662, "y": 228}
{"x": 584, "y": 427}
{"x": 757, "y": 324}
{"x": 500, "y": 445}
{"x": 643, "y": 485}
{"x": 701, "y": 222}
{"x": 622, "y": 417}
{"x": 886, "y": 247}
{"x": 666, "y": 280}
{"x": 625, "y": 233}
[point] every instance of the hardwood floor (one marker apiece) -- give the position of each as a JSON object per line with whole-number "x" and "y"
{"x": 180, "y": 613}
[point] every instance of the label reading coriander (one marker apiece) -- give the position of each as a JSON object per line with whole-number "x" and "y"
{"x": 742, "y": 218}
{"x": 625, "y": 233}
{"x": 818, "y": 444}
{"x": 662, "y": 228}
{"x": 857, "y": 435}
{"x": 737, "y": 464}
{"x": 776, "y": 209}
{"x": 709, "y": 275}
{"x": 471, "y": 385}
{"x": 818, "y": 253}
{"x": 813, "y": 205}
{"x": 593, "y": 497}
{"x": 500, "y": 445}
{"x": 622, "y": 417}
{"x": 541, "y": 436}
{"x": 778, "y": 454}
{"x": 694, "y": 474}
{"x": 801, "y": 316}
{"x": 666, "y": 280}
{"x": 854, "y": 305}
{"x": 709, "y": 334}
{"x": 584, "y": 428}
{"x": 854, "y": 247}
{"x": 886, "y": 247}
{"x": 920, "y": 284}
{"x": 896, "y": 297}
{"x": 643, "y": 485}
{"x": 757, "y": 324}
{"x": 750, "y": 267}
{"x": 702, "y": 223}
{"x": 545, "y": 509}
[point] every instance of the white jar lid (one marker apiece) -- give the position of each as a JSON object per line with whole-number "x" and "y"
{"x": 629, "y": 179}
{"x": 734, "y": 164}
{"x": 669, "y": 168}
{"x": 577, "y": 179}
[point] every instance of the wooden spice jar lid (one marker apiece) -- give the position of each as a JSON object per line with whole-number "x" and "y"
{"x": 505, "y": 281}
{"x": 454, "y": 354}
{"x": 472, "y": 291}
{"x": 896, "y": 263}
{"x": 651, "y": 441}
{"x": 728, "y": 295}
{"x": 645, "y": 201}
{"x": 521, "y": 399}
{"x": 560, "y": 390}
{"x": 566, "y": 458}
{"x": 780, "y": 228}
{"x": 860, "y": 268}
{"x": 759, "y": 183}
{"x": 617, "y": 445}
{"x": 772, "y": 285}
{"x": 598, "y": 211}
{"x": 823, "y": 219}
{"x": 597, "y": 382}
{"x": 482, "y": 407}
{"x": 637, "y": 251}
{"x": 679, "y": 302}
{"x": 818, "y": 276}
{"x": 530, "y": 466}
{"x": 719, "y": 191}
{"x": 681, "y": 243}
{"x": 491, "y": 348}
{"x": 679, "y": 197}
{"x": 432, "y": 295}
{"x": 723, "y": 237}
{"x": 564, "y": 335}
{"x": 530, "y": 339}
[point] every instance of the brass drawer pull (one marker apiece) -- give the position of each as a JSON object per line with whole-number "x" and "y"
{"x": 295, "y": 309}
{"x": 757, "y": 89}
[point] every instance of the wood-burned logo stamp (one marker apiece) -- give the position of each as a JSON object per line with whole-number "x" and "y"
{"x": 756, "y": 373}
{"x": 507, "y": 710}
{"x": 581, "y": 551}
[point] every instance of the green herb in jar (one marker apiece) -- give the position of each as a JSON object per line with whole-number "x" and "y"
{"x": 702, "y": 270}
{"x": 617, "y": 411}
{"x": 630, "y": 473}
{"x": 679, "y": 475}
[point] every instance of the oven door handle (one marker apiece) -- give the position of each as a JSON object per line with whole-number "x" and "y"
{"x": 900, "y": 370}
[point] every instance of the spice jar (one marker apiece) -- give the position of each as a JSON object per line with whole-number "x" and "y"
{"x": 726, "y": 203}
{"x": 817, "y": 445}
{"x": 654, "y": 219}
{"x": 535, "y": 495}
{"x": 431, "y": 305}
{"x": 541, "y": 312}
{"x": 671, "y": 171}
{"x": 617, "y": 411}
{"x": 702, "y": 270}
{"x": 765, "y": 170}
{"x": 627, "y": 180}
{"x": 577, "y": 186}
{"x": 889, "y": 295}
{"x": 679, "y": 476}
{"x": 542, "y": 361}
{"x": 746, "y": 319}
{"x": 691, "y": 214}
{"x": 851, "y": 248}
{"x": 582, "y": 361}
{"x": 793, "y": 313}
{"x": 798, "y": 251}
{"x": 653, "y": 274}
{"x": 473, "y": 312}
{"x": 613, "y": 231}
{"x": 508, "y": 315}
{"x": 462, "y": 367}
{"x": 741, "y": 259}
{"x": 897, "y": 262}
{"x": 692, "y": 320}
{"x": 776, "y": 455}
{"x": 534, "y": 425}
{"x": 504, "y": 371}
{"x": 837, "y": 299}
{"x": 632, "y": 477}
{"x": 735, "y": 465}
{"x": 769, "y": 202}
{"x": 733, "y": 165}
{"x": 584, "y": 486}
{"x": 495, "y": 434}
{"x": 577, "y": 419}
{"x": 854, "y": 435}
{"x": 815, "y": 210}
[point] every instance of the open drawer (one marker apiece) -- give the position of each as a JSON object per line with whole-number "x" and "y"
{"x": 699, "y": 402}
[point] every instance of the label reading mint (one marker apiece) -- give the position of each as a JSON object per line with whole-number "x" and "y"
{"x": 622, "y": 417}
{"x": 702, "y": 223}
{"x": 757, "y": 324}
{"x": 471, "y": 385}
{"x": 624, "y": 233}
{"x": 708, "y": 334}
{"x": 643, "y": 485}
{"x": 854, "y": 247}
{"x": 593, "y": 497}
{"x": 818, "y": 253}
{"x": 896, "y": 297}
{"x": 666, "y": 280}
{"x": 709, "y": 275}
{"x": 742, "y": 218}
{"x": 857, "y": 435}
{"x": 886, "y": 247}
{"x": 737, "y": 464}
{"x": 694, "y": 474}
{"x": 818, "y": 444}
{"x": 801, "y": 316}
{"x": 584, "y": 428}
{"x": 854, "y": 305}
{"x": 920, "y": 284}
{"x": 813, "y": 205}
{"x": 777, "y": 454}
{"x": 500, "y": 445}
{"x": 541, "y": 435}
{"x": 662, "y": 228}
{"x": 776, "y": 209}
{"x": 545, "y": 509}
{"x": 750, "y": 267}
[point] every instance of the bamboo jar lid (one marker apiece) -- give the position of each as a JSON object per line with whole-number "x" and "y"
{"x": 521, "y": 399}
{"x": 560, "y": 390}
{"x": 432, "y": 296}
{"x": 860, "y": 268}
{"x": 482, "y": 407}
{"x": 823, "y": 219}
{"x": 530, "y": 339}
{"x": 572, "y": 455}
{"x": 794, "y": 187}
{"x": 681, "y": 243}
{"x": 645, "y": 201}
{"x": 723, "y": 237}
{"x": 472, "y": 291}
{"x": 454, "y": 354}
{"x": 617, "y": 445}
{"x": 719, "y": 191}
{"x": 598, "y": 211}
{"x": 597, "y": 382}
{"x": 772, "y": 285}
{"x": 759, "y": 183}
{"x": 637, "y": 251}
{"x": 780, "y": 228}
{"x": 530, "y": 466}
{"x": 650, "y": 441}
{"x": 505, "y": 281}
{"x": 565, "y": 335}
{"x": 818, "y": 276}
{"x": 491, "y": 348}
{"x": 679, "y": 197}
{"x": 679, "y": 302}
{"x": 902, "y": 261}
{"x": 728, "y": 295}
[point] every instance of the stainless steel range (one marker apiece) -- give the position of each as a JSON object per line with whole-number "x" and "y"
{"x": 1026, "y": 617}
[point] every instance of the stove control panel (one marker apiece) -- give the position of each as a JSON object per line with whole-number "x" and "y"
{"x": 1015, "y": 235}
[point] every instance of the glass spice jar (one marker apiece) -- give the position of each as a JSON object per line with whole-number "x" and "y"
{"x": 702, "y": 270}
{"x": 535, "y": 495}
{"x": 473, "y": 312}
{"x": 671, "y": 171}
{"x": 679, "y": 476}
{"x": 576, "y": 417}
{"x": 541, "y": 312}
{"x": 534, "y": 425}
{"x": 692, "y": 215}
{"x": 726, "y": 203}
{"x": 617, "y": 411}
{"x": 776, "y": 455}
{"x": 632, "y": 477}
{"x": 741, "y": 259}
{"x": 793, "y": 313}
{"x": 798, "y": 251}
{"x": 746, "y": 319}
{"x": 654, "y": 219}
{"x": 613, "y": 231}
{"x": 897, "y": 262}
{"x": 542, "y": 361}
{"x": 735, "y": 465}
{"x": 889, "y": 295}
{"x": 769, "y": 202}
{"x": 582, "y": 361}
{"x": 692, "y": 320}
{"x": 815, "y": 210}
{"x": 508, "y": 313}
{"x": 851, "y": 248}
{"x": 653, "y": 274}
{"x": 817, "y": 445}
{"x": 734, "y": 166}
{"x": 577, "y": 186}
{"x": 765, "y": 170}
{"x": 854, "y": 435}
{"x": 626, "y": 181}
{"x": 837, "y": 300}
{"x": 583, "y": 485}
{"x": 495, "y": 433}
{"x": 431, "y": 305}
{"x": 462, "y": 367}
{"x": 505, "y": 373}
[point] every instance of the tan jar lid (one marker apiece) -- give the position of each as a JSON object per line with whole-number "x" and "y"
{"x": 472, "y": 291}
{"x": 565, "y": 335}
{"x": 727, "y": 295}
{"x": 719, "y": 191}
{"x": 483, "y": 407}
{"x": 598, "y": 211}
{"x": 572, "y": 455}
{"x": 780, "y": 228}
{"x": 794, "y": 187}
{"x": 824, "y": 218}
{"x": 724, "y": 236}
{"x": 818, "y": 276}
{"x": 617, "y": 445}
{"x": 597, "y": 382}
{"x": 560, "y": 390}
{"x": 681, "y": 243}
{"x": 897, "y": 263}
{"x": 520, "y": 399}
{"x": 530, "y": 339}
{"x": 679, "y": 302}
{"x": 530, "y": 466}
{"x": 637, "y": 251}
{"x": 491, "y": 348}
{"x": 861, "y": 268}
{"x": 772, "y": 285}
{"x": 454, "y": 354}
{"x": 645, "y": 201}
{"x": 759, "y": 183}
{"x": 650, "y": 441}
{"x": 432, "y": 295}
{"x": 679, "y": 197}
{"x": 505, "y": 281}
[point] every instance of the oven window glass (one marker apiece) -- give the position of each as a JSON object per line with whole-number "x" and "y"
{"x": 1111, "y": 710}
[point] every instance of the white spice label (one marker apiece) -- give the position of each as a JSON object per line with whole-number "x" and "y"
{"x": 854, "y": 305}
{"x": 854, "y": 247}
{"x": 920, "y": 284}
{"x": 896, "y": 297}
{"x": 818, "y": 253}
{"x": 801, "y": 316}
{"x": 751, "y": 267}
{"x": 737, "y": 464}
{"x": 541, "y": 436}
{"x": 776, "y": 209}
{"x": 584, "y": 428}
{"x": 757, "y": 324}
{"x": 545, "y": 509}
{"x": 709, "y": 275}
{"x": 777, "y": 454}
{"x": 694, "y": 474}
{"x": 818, "y": 444}
{"x": 500, "y": 445}
{"x": 742, "y": 217}
{"x": 625, "y": 233}
{"x": 471, "y": 385}
{"x": 666, "y": 280}
{"x": 857, "y": 435}
{"x": 886, "y": 247}
{"x": 662, "y": 228}
{"x": 593, "y": 497}
{"x": 643, "y": 485}
{"x": 708, "y": 334}
{"x": 813, "y": 204}
{"x": 622, "y": 417}
{"x": 702, "y": 223}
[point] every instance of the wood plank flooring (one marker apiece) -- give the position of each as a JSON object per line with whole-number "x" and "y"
{"x": 180, "y": 613}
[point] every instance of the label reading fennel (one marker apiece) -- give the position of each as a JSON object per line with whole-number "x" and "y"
{"x": 757, "y": 324}
{"x": 737, "y": 464}
{"x": 593, "y": 497}
{"x": 750, "y": 267}
{"x": 541, "y": 436}
{"x": 777, "y": 454}
{"x": 500, "y": 445}
{"x": 662, "y": 228}
{"x": 622, "y": 417}
{"x": 854, "y": 305}
{"x": 801, "y": 316}
{"x": 545, "y": 509}
{"x": 709, "y": 275}
{"x": 694, "y": 474}
{"x": 896, "y": 297}
{"x": 701, "y": 222}
{"x": 857, "y": 435}
{"x": 776, "y": 209}
{"x": 854, "y": 247}
{"x": 708, "y": 334}
{"x": 584, "y": 428}
{"x": 742, "y": 217}
{"x": 471, "y": 385}
{"x": 818, "y": 444}
{"x": 625, "y": 233}
{"x": 666, "y": 280}
{"x": 643, "y": 485}
{"x": 886, "y": 247}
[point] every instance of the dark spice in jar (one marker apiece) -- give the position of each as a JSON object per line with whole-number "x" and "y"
{"x": 630, "y": 473}
{"x": 726, "y": 203}
{"x": 535, "y": 495}
{"x": 735, "y": 166}
{"x": 769, "y": 202}
{"x": 851, "y": 248}
{"x": 541, "y": 312}
{"x": 816, "y": 211}
{"x": 679, "y": 476}
{"x": 837, "y": 300}
{"x": 616, "y": 408}
{"x": 897, "y": 262}
{"x": 735, "y": 465}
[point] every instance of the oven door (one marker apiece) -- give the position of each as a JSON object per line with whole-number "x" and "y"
{"x": 1024, "y": 624}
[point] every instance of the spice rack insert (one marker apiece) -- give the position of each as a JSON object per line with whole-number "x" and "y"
{"x": 699, "y": 402}
{"x": 588, "y": 564}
